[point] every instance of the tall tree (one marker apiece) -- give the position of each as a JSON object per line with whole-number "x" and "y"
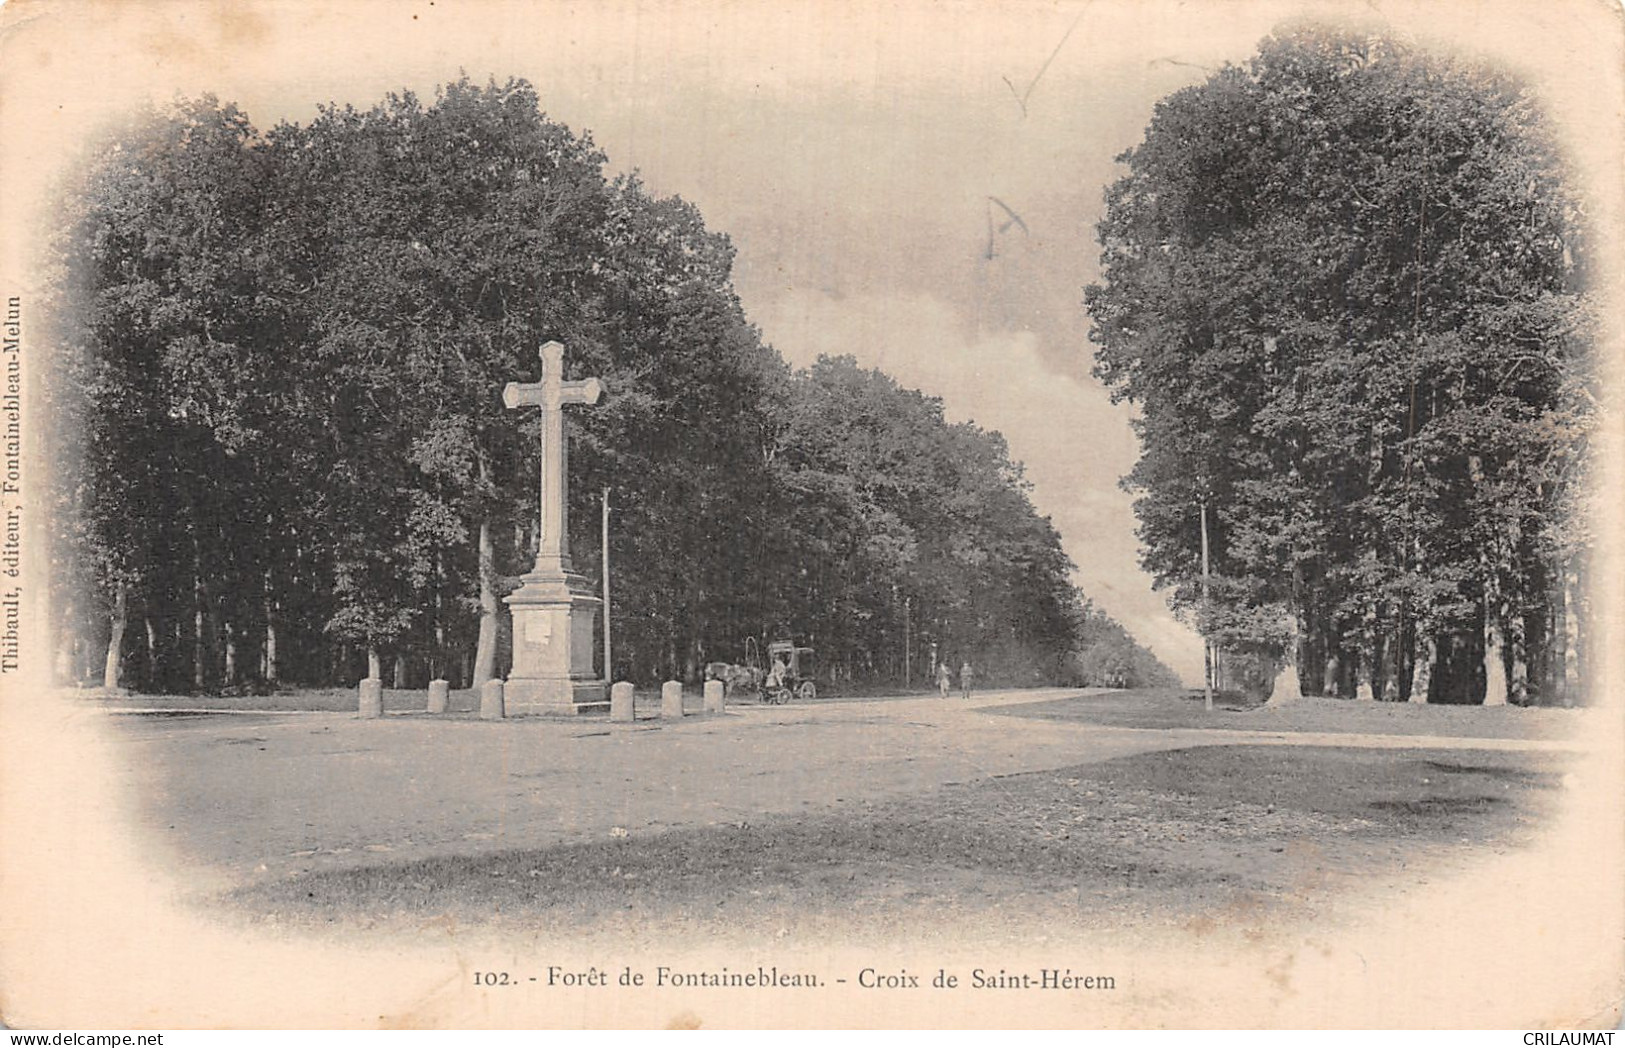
{"x": 295, "y": 466}
{"x": 1345, "y": 285}
{"x": 165, "y": 388}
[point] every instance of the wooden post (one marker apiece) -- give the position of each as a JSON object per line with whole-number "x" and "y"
{"x": 907, "y": 664}
{"x": 1207, "y": 647}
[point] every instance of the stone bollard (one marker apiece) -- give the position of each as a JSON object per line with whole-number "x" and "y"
{"x": 620, "y": 702}
{"x": 372, "y": 698}
{"x": 491, "y": 700}
{"x": 439, "y": 696}
{"x": 671, "y": 699}
{"x": 713, "y": 696}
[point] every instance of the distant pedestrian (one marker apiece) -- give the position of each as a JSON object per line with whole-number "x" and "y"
{"x": 944, "y": 679}
{"x": 966, "y": 677}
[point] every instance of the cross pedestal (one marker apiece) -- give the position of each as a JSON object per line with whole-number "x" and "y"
{"x": 553, "y": 647}
{"x": 553, "y": 609}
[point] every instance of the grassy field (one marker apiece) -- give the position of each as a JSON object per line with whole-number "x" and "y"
{"x": 1194, "y": 835}
{"x": 1185, "y": 709}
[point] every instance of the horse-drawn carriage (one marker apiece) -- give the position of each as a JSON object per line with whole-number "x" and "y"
{"x": 788, "y": 673}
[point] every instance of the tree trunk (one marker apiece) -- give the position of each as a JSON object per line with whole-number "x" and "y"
{"x": 1517, "y": 657}
{"x": 1536, "y": 647}
{"x": 1332, "y": 685}
{"x": 1573, "y": 692}
{"x": 1369, "y": 686}
{"x": 1558, "y": 649}
{"x": 1389, "y": 671}
{"x": 1306, "y": 651}
{"x": 216, "y": 646}
{"x": 1518, "y": 685}
{"x": 1496, "y": 613}
{"x": 1495, "y": 673}
{"x": 154, "y": 677}
{"x": 1422, "y": 673}
{"x": 1287, "y": 687}
{"x": 272, "y": 670}
{"x": 113, "y": 670}
{"x": 1404, "y": 655}
{"x": 200, "y": 611}
{"x": 230, "y": 674}
{"x": 1311, "y": 660}
{"x": 200, "y": 679}
{"x": 485, "y": 650}
{"x": 400, "y": 670}
{"x": 1458, "y": 669}
{"x": 1588, "y": 657}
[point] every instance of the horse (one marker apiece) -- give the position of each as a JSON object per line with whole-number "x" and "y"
{"x": 733, "y": 676}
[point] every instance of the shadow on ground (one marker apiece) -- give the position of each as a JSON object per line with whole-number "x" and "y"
{"x": 1197, "y": 834}
{"x": 1183, "y": 709}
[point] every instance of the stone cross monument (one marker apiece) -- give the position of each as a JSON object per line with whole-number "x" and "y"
{"x": 553, "y": 608}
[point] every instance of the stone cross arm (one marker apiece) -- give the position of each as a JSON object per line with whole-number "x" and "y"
{"x": 552, "y": 391}
{"x": 535, "y": 394}
{"x": 551, "y": 394}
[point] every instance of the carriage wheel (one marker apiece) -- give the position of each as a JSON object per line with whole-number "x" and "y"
{"x": 807, "y": 692}
{"x": 781, "y": 696}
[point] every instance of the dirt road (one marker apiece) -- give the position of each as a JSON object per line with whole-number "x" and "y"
{"x": 263, "y": 796}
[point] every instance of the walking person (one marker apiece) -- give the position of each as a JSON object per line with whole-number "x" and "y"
{"x": 944, "y": 681}
{"x": 967, "y": 675}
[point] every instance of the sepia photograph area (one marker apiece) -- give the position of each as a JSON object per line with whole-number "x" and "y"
{"x": 808, "y": 515}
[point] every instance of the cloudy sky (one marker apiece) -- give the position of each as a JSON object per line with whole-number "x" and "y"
{"x": 861, "y": 156}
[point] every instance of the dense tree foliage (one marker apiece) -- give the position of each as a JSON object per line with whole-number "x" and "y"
{"x": 883, "y": 499}
{"x": 1106, "y": 655}
{"x": 284, "y": 455}
{"x": 1344, "y": 284}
